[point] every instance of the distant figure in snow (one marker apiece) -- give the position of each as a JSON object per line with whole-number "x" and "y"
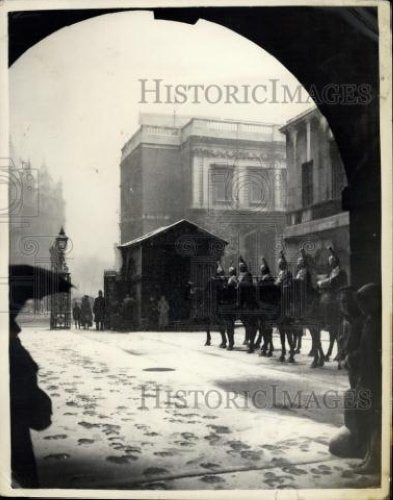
{"x": 163, "y": 312}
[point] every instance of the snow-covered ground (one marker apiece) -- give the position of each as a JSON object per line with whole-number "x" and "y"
{"x": 149, "y": 410}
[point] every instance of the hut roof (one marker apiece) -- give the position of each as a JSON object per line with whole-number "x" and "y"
{"x": 164, "y": 229}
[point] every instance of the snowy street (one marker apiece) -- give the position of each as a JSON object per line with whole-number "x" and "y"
{"x": 151, "y": 410}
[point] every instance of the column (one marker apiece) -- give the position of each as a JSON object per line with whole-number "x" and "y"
{"x": 197, "y": 164}
{"x": 242, "y": 186}
{"x": 206, "y": 184}
{"x": 308, "y": 140}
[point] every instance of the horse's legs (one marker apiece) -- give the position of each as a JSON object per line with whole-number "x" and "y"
{"x": 231, "y": 334}
{"x": 298, "y": 340}
{"x": 252, "y": 331}
{"x": 269, "y": 335}
{"x": 332, "y": 339}
{"x": 223, "y": 336}
{"x": 208, "y": 335}
{"x": 320, "y": 350}
{"x": 281, "y": 329}
{"x": 291, "y": 336}
{"x": 259, "y": 327}
{"x": 317, "y": 347}
{"x": 262, "y": 334}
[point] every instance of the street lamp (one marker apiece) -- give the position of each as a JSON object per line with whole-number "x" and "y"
{"x": 60, "y": 314}
{"x": 62, "y": 240}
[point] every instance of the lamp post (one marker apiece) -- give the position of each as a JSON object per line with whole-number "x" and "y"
{"x": 60, "y": 313}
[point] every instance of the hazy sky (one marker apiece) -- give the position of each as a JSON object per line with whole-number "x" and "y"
{"x": 74, "y": 102}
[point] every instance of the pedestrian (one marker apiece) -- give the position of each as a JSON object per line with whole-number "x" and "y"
{"x": 30, "y": 407}
{"x": 99, "y": 311}
{"x": 361, "y": 435}
{"x": 369, "y": 379}
{"x": 349, "y": 331}
{"x": 86, "y": 313}
{"x": 76, "y": 315}
{"x": 163, "y": 313}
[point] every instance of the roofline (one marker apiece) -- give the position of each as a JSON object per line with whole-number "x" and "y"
{"x": 212, "y": 118}
{"x": 298, "y": 117}
{"x": 204, "y": 118}
{"x": 161, "y": 230}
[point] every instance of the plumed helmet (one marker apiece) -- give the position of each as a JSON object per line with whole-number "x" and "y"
{"x": 220, "y": 269}
{"x": 282, "y": 261}
{"x": 333, "y": 257}
{"x": 302, "y": 259}
{"x": 232, "y": 269}
{"x": 264, "y": 266}
{"x": 242, "y": 264}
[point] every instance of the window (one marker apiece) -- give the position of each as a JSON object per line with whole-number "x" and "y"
{"x": 256, "y": 194}
{"x": 221, "y": 185}
{"x": 307, "y": 183}
{"x": 259, "y": 184}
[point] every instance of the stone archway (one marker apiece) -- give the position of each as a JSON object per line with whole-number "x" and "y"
{"x": 320, "y": 47}
{"x": 348, "y": 56}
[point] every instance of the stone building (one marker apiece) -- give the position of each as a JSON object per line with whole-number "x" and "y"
{"x": 315, "y": 180}
{"x": 227, "y": 176}
{"x": 37, "y": 212}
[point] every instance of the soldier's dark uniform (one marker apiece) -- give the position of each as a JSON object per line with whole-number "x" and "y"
{"x": 268, "y": 298}
{"x": 215, "y": 295}
{"x": 230, "y": 306}
{"x": 285, "y": 281}
{"x": 303, "y": 298}
{"x": 329, "y": 305}
{"x": 247, "y": 305}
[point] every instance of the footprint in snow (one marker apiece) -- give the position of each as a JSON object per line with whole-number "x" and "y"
{"x": 150, "y": 471}
{"x": 56, "y": 436}
{"x": 57, "y": 456}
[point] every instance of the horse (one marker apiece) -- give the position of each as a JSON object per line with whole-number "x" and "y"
{"x": 290, "y": 309}
{"x": 212, "y": 299}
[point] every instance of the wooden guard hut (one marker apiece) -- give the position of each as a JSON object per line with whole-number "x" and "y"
{"x": 175, "y": 261}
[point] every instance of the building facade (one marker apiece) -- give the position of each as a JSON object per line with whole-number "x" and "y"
{"x": 227, "y": 176}
{"x": 315, "y": 180}
{"x": 37, "y": 212}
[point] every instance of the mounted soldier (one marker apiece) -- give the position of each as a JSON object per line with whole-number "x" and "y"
{"x": 268, "y": 296}
{"x": 328, "y": 288}
{"x": 215, "y": 295}
{"x": 247, "y": 305}
{"x": 230, "y": 305}
{"x": 285, "y": 281}
{"x": 303, "y": 296}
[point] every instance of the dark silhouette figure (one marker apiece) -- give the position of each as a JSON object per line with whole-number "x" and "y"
{"x": 76, "y": 315}
{"x": 99, "y": 311}
{"x": 30, "y": 407}
{"x": 86, "y": 313}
